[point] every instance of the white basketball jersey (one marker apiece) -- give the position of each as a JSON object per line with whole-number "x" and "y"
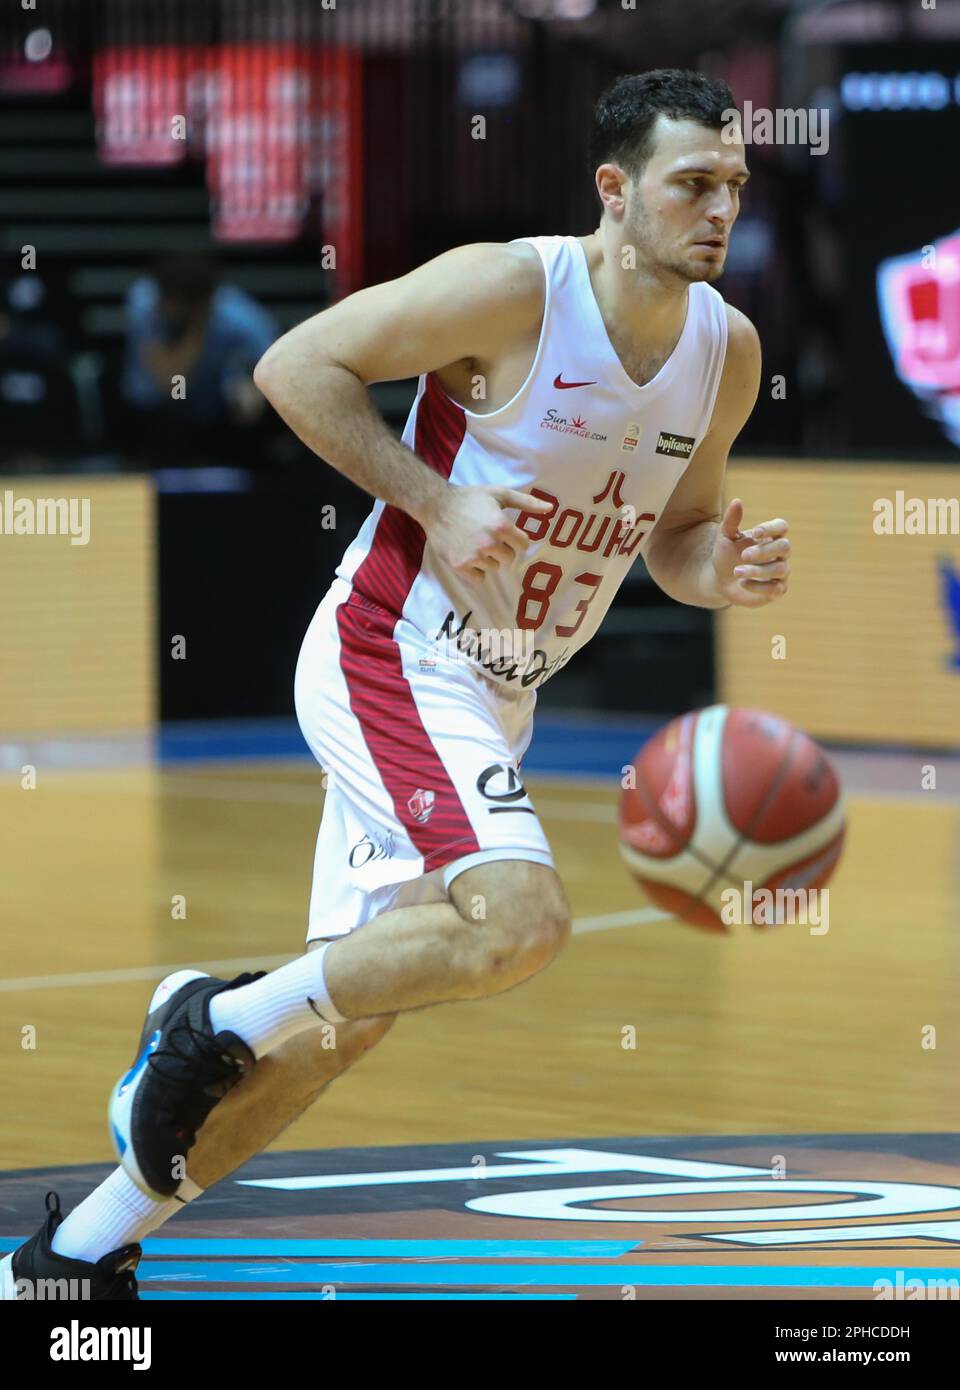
{"x": 605, "y": 452}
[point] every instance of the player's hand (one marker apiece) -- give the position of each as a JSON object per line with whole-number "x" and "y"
{"x": 751, "y": 567}
{"x": 473, "y": 532}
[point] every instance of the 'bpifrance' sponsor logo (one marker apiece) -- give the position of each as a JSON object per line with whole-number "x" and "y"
{"x": 676, "y": 445}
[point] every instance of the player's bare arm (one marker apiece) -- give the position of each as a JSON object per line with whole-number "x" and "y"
{"x": 698, "y": 553}
{"x": 453, "y": 315}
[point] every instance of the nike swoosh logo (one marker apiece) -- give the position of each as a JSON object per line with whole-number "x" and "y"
{"x": 569, "y": 385}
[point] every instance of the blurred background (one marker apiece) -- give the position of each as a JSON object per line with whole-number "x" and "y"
{"x": 183, "y": 180}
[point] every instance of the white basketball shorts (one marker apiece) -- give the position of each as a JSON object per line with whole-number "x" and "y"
{"x": 422, "y": 754}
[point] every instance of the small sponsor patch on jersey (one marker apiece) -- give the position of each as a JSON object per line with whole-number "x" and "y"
{"x": 676, "y": 445}
{"x": 632, "y": 437}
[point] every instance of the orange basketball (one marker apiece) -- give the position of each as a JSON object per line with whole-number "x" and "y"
{"x": 724, "y": 802}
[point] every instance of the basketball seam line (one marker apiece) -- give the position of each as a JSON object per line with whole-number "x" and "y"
{"x": 742, "y": 835}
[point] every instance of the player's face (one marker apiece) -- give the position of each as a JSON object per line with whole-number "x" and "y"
{"x": 680, "y": 212}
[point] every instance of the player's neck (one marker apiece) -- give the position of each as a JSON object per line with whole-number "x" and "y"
{"x": 634, "y": 302}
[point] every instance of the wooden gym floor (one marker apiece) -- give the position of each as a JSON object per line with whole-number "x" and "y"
{"x": 785, "y": 1033}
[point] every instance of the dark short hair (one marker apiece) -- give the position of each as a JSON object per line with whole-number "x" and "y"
{"x": 624, "y": 116}
{"x": 191, "y": 275}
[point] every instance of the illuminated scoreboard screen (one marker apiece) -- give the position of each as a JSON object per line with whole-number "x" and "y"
{"x": 900, "y": 113}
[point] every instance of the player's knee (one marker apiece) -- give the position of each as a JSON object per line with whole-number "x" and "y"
{"x": 525, "y": 921}
{"x": 518, "y": 950}
{"x": 546, "y": 924}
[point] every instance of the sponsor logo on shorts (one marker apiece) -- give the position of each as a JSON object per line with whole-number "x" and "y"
{"x": 420, "y": 805}
{"x": 676, "y": 445}
{"x": 502, "y": 784}
{"x": 368, "y": 849}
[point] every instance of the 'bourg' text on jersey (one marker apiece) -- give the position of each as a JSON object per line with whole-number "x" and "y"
{"x": 579, "y": 434}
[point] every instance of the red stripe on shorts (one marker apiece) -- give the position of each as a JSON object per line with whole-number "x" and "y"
{"x": 380, "y": 695}
{"x": 399, "y": 744}
{"x": 387, "y": 571}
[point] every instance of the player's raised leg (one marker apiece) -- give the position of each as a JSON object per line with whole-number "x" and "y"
{"x": 282, "y": 1086}
{"x": 506, "y": 921}
{"x": 98, "y": 1244}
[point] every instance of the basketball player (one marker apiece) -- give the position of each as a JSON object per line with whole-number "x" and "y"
{"x": 577, "y": 400}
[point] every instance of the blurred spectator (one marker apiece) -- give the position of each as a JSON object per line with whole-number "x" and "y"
{"x": 183, "y": 322}
{"x": 41, "y": 422}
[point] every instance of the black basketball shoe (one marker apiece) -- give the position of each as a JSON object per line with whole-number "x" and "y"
{"x": 181, "y": 1071}
{"x": 34, "y": 1270}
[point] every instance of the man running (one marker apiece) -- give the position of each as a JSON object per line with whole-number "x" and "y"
{"x": 577, "y": 400}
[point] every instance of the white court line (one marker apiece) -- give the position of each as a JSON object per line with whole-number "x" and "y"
{"x": 226, "y": 790}
{"x": 633, "y": 917}
{"x": 175, "y": 787}
{"x": 141, "y": 972}
{"x": 188, "y": 787}
{"x": 582, "y": 925}
{"x": 202, "y": 788}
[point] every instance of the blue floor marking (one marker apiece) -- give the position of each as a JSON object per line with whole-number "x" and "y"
{"x": 387, "y": 1249}
{"x": 357, "y": 1297}
{"x": 379, "y": 1249}
{"x": 667, "y": 1276}
{"x": 599, "y": 746}
{"x": 186, "y": 740}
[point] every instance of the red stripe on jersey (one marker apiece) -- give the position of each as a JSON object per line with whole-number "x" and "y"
{"x": 380, "y": 695}
{"x": 387, "y": 571}
{"x": 401, "y": 749}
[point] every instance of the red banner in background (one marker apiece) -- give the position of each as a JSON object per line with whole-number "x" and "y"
{"x": 258, "y": 131}
{"x": 280, "y": 126}
{"x": 138, "y": 92}
{"x": 336, "y": 165}
{"x": 284, "y": 126}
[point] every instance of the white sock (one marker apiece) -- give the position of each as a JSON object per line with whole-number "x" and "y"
{"x": 281, "y": 1005}
{"x": 117, "y": 1213}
